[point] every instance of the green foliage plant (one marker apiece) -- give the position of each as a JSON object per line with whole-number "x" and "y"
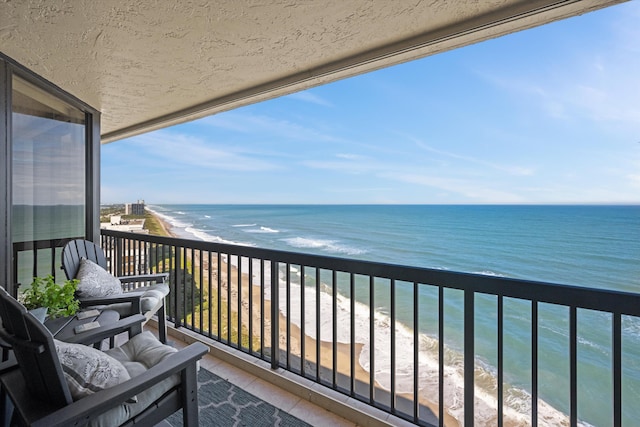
{"x": 60, "y": 300}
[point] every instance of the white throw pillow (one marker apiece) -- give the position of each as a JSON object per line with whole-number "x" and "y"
{"x": 95, "y": 281}
{"x": 88, "y": 370}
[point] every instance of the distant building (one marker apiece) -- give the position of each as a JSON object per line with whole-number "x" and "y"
{"x": 116, "y": 219}
{"x": 134, "y": 208}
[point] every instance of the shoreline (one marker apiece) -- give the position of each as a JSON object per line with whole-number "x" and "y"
{"x": 343, "y": 365}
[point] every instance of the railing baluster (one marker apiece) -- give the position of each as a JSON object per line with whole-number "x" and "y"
{"x": 179, "y": 285}
{"x": 573, "y": 367}
{"x": 201, "y": 296}
{"x": 500, "y": 361}
{"x": 392, "y": 313}
{"x": 534, "y": 363}
{"x": 117, "y": 268}
{"x": 275, "y": 321}
{"x": 334, "y": 324}
{"x": 469, "y": 357}
{"x": 239, "y": 300}
{"x": 35, "y": 262}
{"x": 617, "y": 369}
{"x": 262, "y": 322}
{"x": 372, "y": 340}
{"x": 250, "y": 286}
{"x": 53, "y": 259}
{"x": 352, "y": 328}
{"x": 303, "y": 357}
{"x": 229, "y": 284}
{"x": 288, "y": 310}
{"x": 441, "y": 356}
{"x": 138, "y": 259}
{"x": 416, "y": 353}
{"x": 318, "y": 325}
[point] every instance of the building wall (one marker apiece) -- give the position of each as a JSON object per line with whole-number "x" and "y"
{"x": 134, "y": 208}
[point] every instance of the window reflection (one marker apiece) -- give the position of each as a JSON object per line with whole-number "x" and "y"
{"x": 48, "y": 199}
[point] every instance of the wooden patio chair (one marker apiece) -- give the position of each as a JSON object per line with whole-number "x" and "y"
{"x": 153, "y": 380}
{"x": 151, "y": 297}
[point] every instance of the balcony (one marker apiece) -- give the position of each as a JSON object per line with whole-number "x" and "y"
{"x": 223, "y": 295}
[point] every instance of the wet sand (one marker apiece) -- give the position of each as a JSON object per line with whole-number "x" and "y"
{"x": 343, "y": 362}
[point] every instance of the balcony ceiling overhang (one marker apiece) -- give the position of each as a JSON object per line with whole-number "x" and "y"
{"x": 150, "y": 64}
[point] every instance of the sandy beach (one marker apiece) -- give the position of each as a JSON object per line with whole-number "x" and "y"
{"x": 343, "y": 364}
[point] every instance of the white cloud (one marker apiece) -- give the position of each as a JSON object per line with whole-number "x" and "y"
{"x": 598, "y": 82}
{"x": 511, "y": 170}
{"x": 268, "y": 126}
{"x": 177, "y": 149}
{"x": 634, "y": 180}
{"x": 351, "y": 156}
{"x": 478, "y": 192}
{"x": 348, "y": 163}
{"x": 307, "y": 96}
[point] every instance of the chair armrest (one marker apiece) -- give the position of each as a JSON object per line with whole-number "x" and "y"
{"x": 133, "y": 298}
{"x": 84, "y": 409}
{"x": 131, "y": 324}
{"x": 30, "y": 346}
{"x": 10, "y": 364}
{"x": 152, "y": 277}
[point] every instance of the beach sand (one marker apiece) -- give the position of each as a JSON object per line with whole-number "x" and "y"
{"x": 343, "y": 365}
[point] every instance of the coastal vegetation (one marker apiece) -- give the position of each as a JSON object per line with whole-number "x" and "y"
{"x": 152, "y": 224}
{"x": 199, "y": 307}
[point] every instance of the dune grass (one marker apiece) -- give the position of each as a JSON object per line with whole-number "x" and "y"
{"x": 210, "y": 305}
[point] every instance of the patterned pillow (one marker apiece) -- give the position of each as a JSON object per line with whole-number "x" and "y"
{"x": 95, "y": 281}
{"x": 88, "y": 370}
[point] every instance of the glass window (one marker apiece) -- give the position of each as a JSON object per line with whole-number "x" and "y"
{"x": 49, "y": 176}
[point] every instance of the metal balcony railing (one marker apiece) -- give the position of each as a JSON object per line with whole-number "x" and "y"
{"x": 225, "y": 293}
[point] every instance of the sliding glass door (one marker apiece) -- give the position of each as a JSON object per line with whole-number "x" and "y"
{"x": 49, "y": 178}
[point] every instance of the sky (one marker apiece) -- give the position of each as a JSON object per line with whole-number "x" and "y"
{"x": 549, "y": 115}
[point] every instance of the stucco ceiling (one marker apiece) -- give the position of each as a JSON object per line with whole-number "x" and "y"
{"x": 151, "y": 64}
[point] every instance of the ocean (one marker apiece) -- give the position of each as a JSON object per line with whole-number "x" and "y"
{"x": 590, "y": 246}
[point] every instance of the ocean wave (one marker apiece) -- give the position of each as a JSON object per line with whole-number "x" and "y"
{"x": 517, "y": 408}
{"x": 489, "y": 273}
{"x": 244, "y": 225}
{"x": 262, "y": 230}
{"x": 324, "y": 245}
{"x": 203, "y": 235}
{"x": 173, "y": 221}
{"x": 517, "y": 401}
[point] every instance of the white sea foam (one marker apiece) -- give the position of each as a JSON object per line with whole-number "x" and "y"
{"x": 262, "y": 230}
{"x": 207, "y": 216}
{"x": 517, "y": 406}
{"x": 324, "y": 245}
{"x": 489, "y": 273}
{"x": 173, "y": 221}
{"x": 189, "y": 229}
{"x": 244, "y": 225}
{"x": 203, "y": 235}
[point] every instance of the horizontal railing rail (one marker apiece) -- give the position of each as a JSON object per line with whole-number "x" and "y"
{"x": 42, "y": 257}
{"x": 305, "y": 312}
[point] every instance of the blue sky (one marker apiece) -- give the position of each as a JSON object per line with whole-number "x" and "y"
{"x": 547, "y": 115}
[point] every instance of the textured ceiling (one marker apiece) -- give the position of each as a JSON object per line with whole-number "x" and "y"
{"x": 150, "y": 64}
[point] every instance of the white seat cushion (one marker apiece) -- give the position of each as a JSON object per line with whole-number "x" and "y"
{"x": 137, "y": 355}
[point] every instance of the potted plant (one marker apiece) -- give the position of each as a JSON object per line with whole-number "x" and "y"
{"x": 58, "y": 300}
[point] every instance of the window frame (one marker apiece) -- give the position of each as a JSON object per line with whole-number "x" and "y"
{"x": 8, "y": 69}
